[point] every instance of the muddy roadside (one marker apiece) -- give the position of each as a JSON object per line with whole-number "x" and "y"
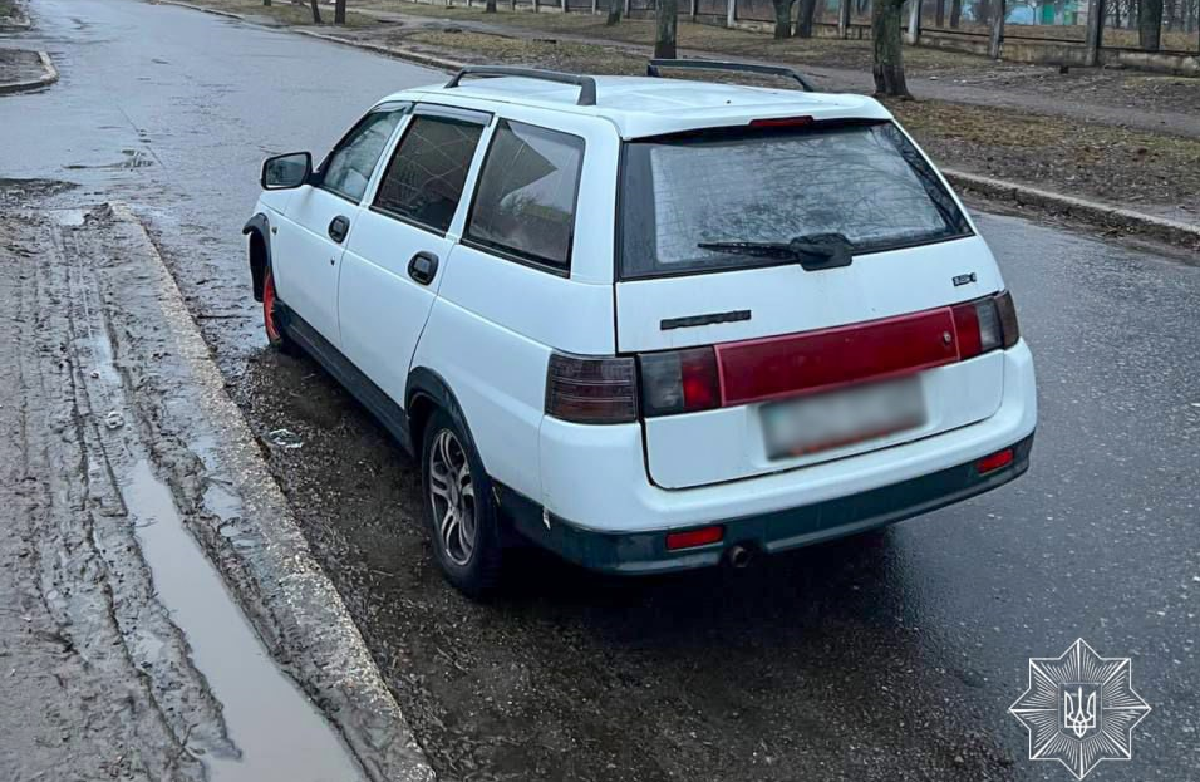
{"x": 127, "y": 464}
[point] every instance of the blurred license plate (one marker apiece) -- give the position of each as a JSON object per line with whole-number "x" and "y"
{"x": 841, "y": 418}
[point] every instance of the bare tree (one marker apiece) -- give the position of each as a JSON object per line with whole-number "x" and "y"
{"x": 490, "y": 7}
{"x": 339, "y": 12}
{"x": 804, "y": 22}
{"x": 939, "y": 14}
{"x": 783, "y": 18}
{"x": 955, "y": 13}
{"x": 1150, "y": 16}
{"x": 316, "y": 9}
{"x": 614, "y": 12}
{"x": 666, "y": 25}
{"x": 889, "y": 62}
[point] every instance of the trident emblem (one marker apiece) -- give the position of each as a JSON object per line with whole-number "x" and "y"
{"x": 1079, "y": 716}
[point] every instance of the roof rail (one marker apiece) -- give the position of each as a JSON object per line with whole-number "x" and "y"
{"x": 714, "y": 65}
{"x": 586, "y": 84}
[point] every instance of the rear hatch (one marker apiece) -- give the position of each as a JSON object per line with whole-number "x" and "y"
{"x": 809, "y": 270}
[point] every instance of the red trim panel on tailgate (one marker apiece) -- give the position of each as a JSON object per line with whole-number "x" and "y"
{"x": 812, "y": 361}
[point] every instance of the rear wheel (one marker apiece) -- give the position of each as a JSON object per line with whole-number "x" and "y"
{"x": 275, "y": 333}
{"x": 460, "y": 509}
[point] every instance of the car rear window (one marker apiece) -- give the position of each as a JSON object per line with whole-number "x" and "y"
{"x": 866, "y": 182}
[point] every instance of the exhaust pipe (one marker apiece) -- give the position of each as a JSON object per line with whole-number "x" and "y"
{"x": 739, "y": 557}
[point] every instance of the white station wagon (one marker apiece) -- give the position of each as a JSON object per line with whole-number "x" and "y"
{"x": 649, "y": 324}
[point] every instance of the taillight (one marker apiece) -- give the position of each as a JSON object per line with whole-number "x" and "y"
{"x": 591, "y": 389}
{"x": 1008, "y": 319}
{"x": 986, "y": 324}
{"x": 679, "y": 381}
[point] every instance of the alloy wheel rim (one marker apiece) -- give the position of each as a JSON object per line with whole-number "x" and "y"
{"x": 452, "y": 493}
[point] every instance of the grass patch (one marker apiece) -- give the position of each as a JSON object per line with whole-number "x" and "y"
{"x": 999, "y": 127}
{"x": 285, "y": 12}
{"x": 578, "y": 57}
{"x": 820, "y": 51}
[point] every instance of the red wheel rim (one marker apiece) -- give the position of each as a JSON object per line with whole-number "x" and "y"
{"x": 269, "y": 307}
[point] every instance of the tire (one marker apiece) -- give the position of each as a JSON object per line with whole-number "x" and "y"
{"x": 276, "y": 335}
{"x": 460, "y": 508}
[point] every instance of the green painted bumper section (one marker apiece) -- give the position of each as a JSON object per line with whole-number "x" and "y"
{"x": 646, "y": 552}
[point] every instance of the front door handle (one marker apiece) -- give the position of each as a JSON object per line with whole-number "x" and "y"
{"x": 423, "y": 267}
{"x": 338, "y": 228}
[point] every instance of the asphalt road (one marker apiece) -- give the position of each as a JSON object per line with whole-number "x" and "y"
{"x": 884, "y": 659}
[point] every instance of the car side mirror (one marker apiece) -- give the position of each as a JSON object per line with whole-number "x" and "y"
{"x": 284, "y": 172}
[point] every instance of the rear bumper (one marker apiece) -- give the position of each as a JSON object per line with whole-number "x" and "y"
{"x": 645, "y": 552}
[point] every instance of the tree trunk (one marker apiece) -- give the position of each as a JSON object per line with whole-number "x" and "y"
{"x": 490, "y": 7}
{"x": 1150, "y": 13}
{"x": 316, "y": 11}
{"x": 939, "y": 14}
{"x": 614, "y": 12}
{"x": 955, "y": 13}
{"x": 783, "y": 18}
{"x": 666, "y": 23}
{"x": 339, "y": 12}
{"x": 889, "y": 64}
{"x": 804, "y": 25}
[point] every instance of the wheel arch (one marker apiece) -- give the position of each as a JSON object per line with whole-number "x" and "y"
{"x": 258, "y": 228}
{"x": 425, "y": 392}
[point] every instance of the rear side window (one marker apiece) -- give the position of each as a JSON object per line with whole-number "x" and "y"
{"x": 865, "y": 182}
{"x": 525, "y": 203}
{"x": 349, "y": 166}
{"x": 424, "y": 181}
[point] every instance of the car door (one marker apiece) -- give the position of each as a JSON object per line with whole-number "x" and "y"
{"x": 307, "y": 248}
{"x": 396, "y": 255}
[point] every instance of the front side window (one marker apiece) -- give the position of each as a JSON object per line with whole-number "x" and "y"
{"x": 525, "y": 204}
{"x": 693, "y": 204}
{"x": 348, "y": 168}
{"x": 424, "y": 181}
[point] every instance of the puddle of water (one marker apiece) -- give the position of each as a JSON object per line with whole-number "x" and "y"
{"x": 281, "y": 736}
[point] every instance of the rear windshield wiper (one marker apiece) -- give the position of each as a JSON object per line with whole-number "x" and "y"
{"x": 811, "y": 251}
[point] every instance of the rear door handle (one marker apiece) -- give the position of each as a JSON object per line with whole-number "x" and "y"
{"x": 423, "y": 267}
{"x": 338, "y": 228}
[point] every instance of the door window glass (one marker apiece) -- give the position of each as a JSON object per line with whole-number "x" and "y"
{"x": 424, "y": 181}
{"x": 348, "y": 168}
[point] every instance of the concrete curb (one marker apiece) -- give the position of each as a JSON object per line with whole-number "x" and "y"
{"x": 280, "y": 586}
{"x": 49, "y": 76}
{"x": 201, "y": 9}
{"x": 1081, "y": 209}
{"x": 427, "y": 60}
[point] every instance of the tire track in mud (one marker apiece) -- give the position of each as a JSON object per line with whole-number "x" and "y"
{"x": 151, "y": 495}
{"x": 130, "y": 723}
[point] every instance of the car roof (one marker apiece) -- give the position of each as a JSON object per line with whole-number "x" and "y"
{"x": 644, "y": 106}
